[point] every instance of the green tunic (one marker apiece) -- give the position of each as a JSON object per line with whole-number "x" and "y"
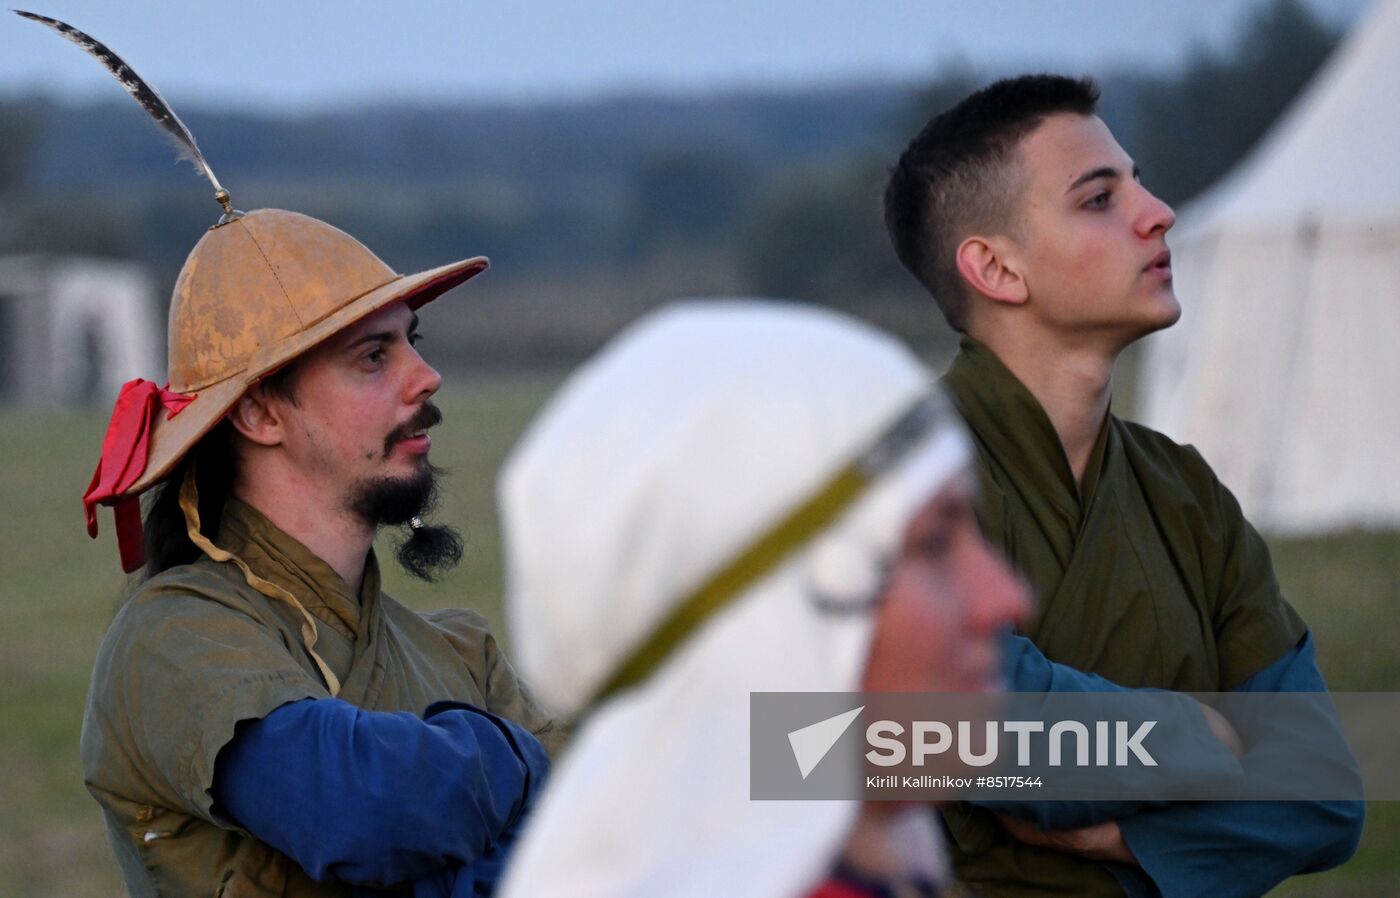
{"x": 1149, "y": 576}
{"x": 196, "y": 650}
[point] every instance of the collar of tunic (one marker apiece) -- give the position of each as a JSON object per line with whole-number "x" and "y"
{"x": 1013, "y": 431}
{"x": 247, "y": 533}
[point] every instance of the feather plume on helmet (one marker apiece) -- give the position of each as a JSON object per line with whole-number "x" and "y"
{"x": 257, "y": 291}
{"x": 146, "y": 95}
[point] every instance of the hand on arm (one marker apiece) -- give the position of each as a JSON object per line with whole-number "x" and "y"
{"x": 1247, "y": 847}
{"x": 1222, "y": 730}
{"x": 1196, "y": 732}
{"x": 1194, "y": 847}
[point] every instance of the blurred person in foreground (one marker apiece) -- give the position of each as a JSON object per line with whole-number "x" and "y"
{"x": 263, "y": 719}
{"x": 737, "y": 497}
{"x": 1028, "y": 224}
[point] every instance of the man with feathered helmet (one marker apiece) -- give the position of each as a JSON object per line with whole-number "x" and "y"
{"x": 263, "y": 720}
{"x": 254, "y": 718}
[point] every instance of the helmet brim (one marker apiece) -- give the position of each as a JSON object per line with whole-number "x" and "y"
{"x": 172, "y": 437}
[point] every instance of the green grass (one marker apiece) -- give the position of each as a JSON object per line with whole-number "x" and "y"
{"x": 1347, "y": 586}
{"x": 62, "y": 589}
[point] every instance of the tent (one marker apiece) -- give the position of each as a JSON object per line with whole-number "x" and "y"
{"x": 74, "y": 328}
{"x": 1285, "y": 368}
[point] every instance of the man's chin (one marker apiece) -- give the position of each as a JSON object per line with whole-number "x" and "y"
{"x": 1162, "y": 313}
{"x": 396, "y": 499}
{"x": 1168, "y": 314}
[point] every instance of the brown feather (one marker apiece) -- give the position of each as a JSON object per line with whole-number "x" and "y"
{"x": 140, "y": 90}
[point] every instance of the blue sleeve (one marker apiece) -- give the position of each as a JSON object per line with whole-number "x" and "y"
{"x": 474, "y": 880}
{"x": 380, "y": 798}
{"x": 1244, "y": 848}
{"x": 1027, "y": 670}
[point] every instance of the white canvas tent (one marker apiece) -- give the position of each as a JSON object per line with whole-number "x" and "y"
{"x": 1285, "y": 368}
{"x": 74, "y": 328}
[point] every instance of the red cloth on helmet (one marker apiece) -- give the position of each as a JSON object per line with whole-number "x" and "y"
{"x": 123, "y": 461}
{"x": 835, "y": 888}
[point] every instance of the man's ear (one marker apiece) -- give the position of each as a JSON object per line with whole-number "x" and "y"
{"x": 257, "y": 417}
{"x": 989, "y": 264}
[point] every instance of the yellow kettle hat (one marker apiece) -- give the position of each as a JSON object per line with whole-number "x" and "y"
{"x": 257, "y": 291}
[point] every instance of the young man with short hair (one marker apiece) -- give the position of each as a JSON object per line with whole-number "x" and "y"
{"x": 1028, "y": 224}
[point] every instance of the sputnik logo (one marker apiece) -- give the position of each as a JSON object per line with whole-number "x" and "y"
{"x": 811, "y": 743}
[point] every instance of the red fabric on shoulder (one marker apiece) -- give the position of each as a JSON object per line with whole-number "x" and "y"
{"x": 123, "y": 461}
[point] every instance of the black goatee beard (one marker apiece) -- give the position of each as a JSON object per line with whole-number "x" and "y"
{"x": 430, "y": 550}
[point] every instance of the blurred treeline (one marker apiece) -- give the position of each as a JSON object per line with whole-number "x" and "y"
{"x": 593, "y": 211}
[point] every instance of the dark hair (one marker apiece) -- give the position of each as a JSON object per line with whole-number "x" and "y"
{"x": 167, "y": 539}
{"x": 954, "y": 179}
{"x": 166, "y": 535}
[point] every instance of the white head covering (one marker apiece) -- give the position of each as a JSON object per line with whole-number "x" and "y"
{"x": 687, "y": 439}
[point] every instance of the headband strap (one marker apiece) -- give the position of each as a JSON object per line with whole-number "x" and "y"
{"x": 763, "y": 555}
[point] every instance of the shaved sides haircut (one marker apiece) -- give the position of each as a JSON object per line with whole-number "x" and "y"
{"x": 958, "y": 177}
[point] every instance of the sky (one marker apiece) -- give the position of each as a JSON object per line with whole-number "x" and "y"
{"x": 285, "y": 56}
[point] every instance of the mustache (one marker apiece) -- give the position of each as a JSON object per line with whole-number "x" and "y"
{"x": 427, "y": 416}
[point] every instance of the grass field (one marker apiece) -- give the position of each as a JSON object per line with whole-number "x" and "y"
{"x": 60, "y": 591}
